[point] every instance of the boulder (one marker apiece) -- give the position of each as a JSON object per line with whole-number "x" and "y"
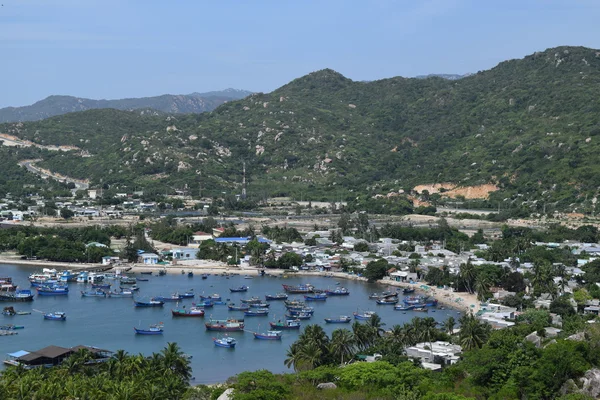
{"x": 588, "y": 384}
{"x": 327, "y": 385}
{"x": 226, "y": 395}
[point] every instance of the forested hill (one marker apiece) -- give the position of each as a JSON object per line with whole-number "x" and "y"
{"x": 530, "y": 126}
{"x": 58, "y": 105}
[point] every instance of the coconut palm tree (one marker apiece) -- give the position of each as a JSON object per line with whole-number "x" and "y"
{"x": 311, "y": 355}
{"x": 376, "y": 325}
{"x": 449, "y": 325}
{"x": 294, "y": 357}
{"x": 341, "y": 346}
{"x": 468, "y": 274}
{"x": 362, "y": 335}
{"x": 175, "y": 360}
{"x": 482, "y": 287}
{"x": 473, "y": 333}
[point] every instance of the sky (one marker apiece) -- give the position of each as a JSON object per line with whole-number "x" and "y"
{"x": 132, "y": 48}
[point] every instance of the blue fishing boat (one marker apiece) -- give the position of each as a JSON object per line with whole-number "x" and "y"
{"x": 101, "y": 285}
{"x": 233, "y": 307}
{"x": 156, "y": 329}
{"x": 146, "y": 272}
{"x": 190, "y": 274}
{"x": 259, "y": 312}
{"x": 188, "y": 312}
{"x": 151, "y": 303}
{"x": 294, "y": 303}
{"x": 11, "y": 327}
{"x": 204, "y": 304}
{"x": 173, "y": 297}
{"x": 342, "y": 319}
{"x": 387, "y": 301}
{"x": 133, "y": 288}
{"x": 56, "y": 316}
{"x": 204, "y": 276}
{"x": 403, "y": 308}
{"x": 269, "y": 335}
{"x": 162, "y": 272}
{"x": 364, "y": 316}
{"x": 340, "y": 291}
{"x": 96, "y": 293}
{"x": 52, "y": 290}
{"x": 305, "y": 310}
{"x": 298, "y": 316}
{"x": 288, "y": 324}
{"x": 128, "y": 280}
{"x": 227, "y": 342}
{"x": 259, "y": 305}
{"x": 214, "y": 297}
{"x": 17, "y": 296}
{"x": 300, "y": 289}
{"x": 415, "y": 299}
{"x": 278, "y": 296}
{"x": 251, "y": 300}
{"x": 122, "y": 293}
{"x": 67, "y": 276}
{"x": 316, "y": 297}
{"x": 239, "y": 289}
{"x": 142, "y": 279}
{"x": 188, "y": 295}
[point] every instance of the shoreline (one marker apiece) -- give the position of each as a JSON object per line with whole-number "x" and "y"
{"x": 460, "y": 301}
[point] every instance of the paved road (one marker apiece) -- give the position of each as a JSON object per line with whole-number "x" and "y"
{"x": 30, "y": 165}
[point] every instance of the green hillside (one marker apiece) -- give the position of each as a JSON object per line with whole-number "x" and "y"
{"x": 531, "y": 126}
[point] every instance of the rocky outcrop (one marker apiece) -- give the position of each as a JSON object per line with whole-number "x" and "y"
{"x": 327, "y": 385}
{"x": 588, "y": 384}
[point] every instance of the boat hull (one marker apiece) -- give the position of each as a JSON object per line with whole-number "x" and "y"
{"x": 187, "y": 313}
{"x": 338, "y": 321}
{"x": 275, "y": 325}
{"x": 227, "y": 345}
{"x": 147, "y": 332}
{"x": 266, "y": 337}
{"x": 142, "y": 304}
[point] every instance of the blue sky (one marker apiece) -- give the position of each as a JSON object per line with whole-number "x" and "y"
{"x": 133, "y": 48}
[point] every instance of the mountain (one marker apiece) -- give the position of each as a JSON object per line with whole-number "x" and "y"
{"x": 450, "y": 77}
{"x": 175, "y": 104}
{"x": 528, "y": 127}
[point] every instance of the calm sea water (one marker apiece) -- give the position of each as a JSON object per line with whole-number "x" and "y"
{"x": 108, "y": 322}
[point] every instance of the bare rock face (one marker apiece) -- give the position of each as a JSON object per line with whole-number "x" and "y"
{"x": 588, "y": 384}
{"x": 327, "y": 385}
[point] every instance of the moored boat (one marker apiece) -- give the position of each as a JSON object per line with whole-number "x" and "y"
{"x": 227, "y": 342}
{"x": 251, "y": 300}
{"x": 259, "y": 312}
{"x": 316, "y": 297}
{"x": 243, "y": 288}
{"x": 225, "y": 325}
{"x": 403, "y": 308}
{"x": 288, "y": 324}
{"x": 151, "y": 303}
{"x": 305, "y": 310}
{"x": 233, "y": 307}
{"x": 128, "y": 280}
{"x": 56, "y": 316}
{"x": 146, "y": 272}
{"x": 408, "y": 290}
{"x": 156, "y": 329}
{"x": 173, "y": 297}
{"x": 7, "y": 285}
{"x": 190, "y": 274}
{"x": 299, "y": 289}
{"x": 10, "y": 311}
{"x": 204, "y": 276}
{"x": 188, "y": 312}
{"x": 269, "y": 335}
{"x": 11, "y": 327}
{"x": 278, "y": 296}
{"x": 204, "y": 304}
{"x": 342, "y": 319}
{"x": 387, "y": 301}
{"x": 365, "y": 315}
{"x": 133, "y": 288}
{"x": 162, "y": 272}
{"x": 22, "y": 295}
{"x": 421, "y": 309}
{"x": 340, "y": 291}
{"x": 101, "y": 285}
{"x": 259, "y": 305}
{"x": 122, "y": 293}
{"x": 52, "y": 290}
{"x": 188, "y": 295}
{"x": 214, "y": 297}
{"x": 298, "y": 316}
{"x": 95, "y": 293}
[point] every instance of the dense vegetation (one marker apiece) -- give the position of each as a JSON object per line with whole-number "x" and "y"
{"x": 526, "y": 125}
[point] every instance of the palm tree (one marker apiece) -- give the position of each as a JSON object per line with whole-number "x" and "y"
{"x": 314, "y": 334}
{"x": 449, "y": 325}
{"x": 311, "y": 355}
{"x": 175, "y": 360}
{"x": 473, "y": 333}
{"x": 342, "y": 345}
{"x": 362, "y": 335}
{"x": 375, "y": 324}
{"x": 294, "y": 357}
{"x": 468, "y": 275}
{"x": 482, "y": 287}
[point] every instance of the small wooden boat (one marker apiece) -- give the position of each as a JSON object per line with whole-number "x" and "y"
{"x": 204, "y": 276}
{"x": 316, "y": 297}
{"x": 252, "y": 300}
{"x": 215, "y": 297}
{"x": 11, "y": 327}
{"x": 294, "y": 303}
{"x": 10, "y": 311}
{"x": 403, "y": 308}
{"x": 421, "y": 309}
{"x": 95, "y": 293}
{"x": 269, "y": 335}
{"x": 173, "y": 297}
{"x": 374, "y": 296}
{"x": 142, "y": 279}
{"x": 146, "y": 272}
{"x": 122, "y": 293}
{"x": 52, "y": 290}
{"x": 151, "y": 303}
{"x": 204, "y": 304}
{"x": 162, "y": 272}
{"x": 100, "y": 285}
{"x": 278, "y": 296}
{"x": 298, "y": 316}
{"x": 188, "y": 312}
{"x": 233, "y": 307}
{"x": 156, "y": 329}
{"x": 387, "y": 301}
{"x": 248, "y": 277}
{"x": 133, "y": 288}
{"x": 188, "y": 295}
{"x": 243, "y": 288}
{"x": 128, "y": 280}
{"x": 259, "y": 305}
{"x": 342, "y": 319}
{"x": 226, "y": 325}
{"x": 307, "y": 310}
{"x": 288, "y": 324}
{"x": 259, "y": 312}
{"x": 227, "y": 342}
{"x": 340, "y": 291}
{"x": 408, "y": 291}
{"x": 364, "y": 316}
{"x": 190, "y": 274}
{"x": 56, "y": 316}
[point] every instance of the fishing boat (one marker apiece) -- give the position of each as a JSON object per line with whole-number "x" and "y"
{"x": 215, "y": 297}
{"x": 204, "y": 304}
{"x": 128, "y": 280}
{"x": 162, "y": 272}
{"x": 403, "y": 307}
{"x": 269, "y": 335}
{"x": 95, "y": 293}
{"x": 122, "y": 293}
{"x": 307, "y": 310}
{"x": 22, "y": 295}
{"x": 298, "y": 316}
{"x": 188, "y": 295}
{"x": 259, "y": 305}
{"x": 173, "y": 297}
{"x": 204, "y": 276}
{"x": 56, "y": 316}
{"x": 225, "y": 325}
{"x": 10, "y": 311}
{"x": 67, "y": 276}
{"x": 142, "y": 279}
{"x": 421, "y": 309}
{"x": 190, "y": 274}
{"x": 288, "y": 324}
{"x": 278, "y": 296}
{"x": 227, "y": 342}
{"x": 101, "y": 285}
{"x": 146, "y": 272}
{"x": 364, "y": 316}
{"x": 408, "y": 290}
{"x": 243, "y": 288}
{"x": 233, "y": 307}
{"x": 252, "y": 300}
{"x": 7, "y": 285}
{"x": 156, "y": 329}
{"x": 339, "y": 291}
{"x": 52, "y": 290}
{"x": 342, "y": 319}
{"x": 316, "y": 297}
{"x": 299, "y": 289}
{"x": 387, "y": 301}
{"x": 374, "y": 296}
{"x": 294, "y": 303}
{"x": 415, "y": 299}
{"x": 151, "y": 303}
{"x": 188, "y": 312}
{"x": 248, "y": 277}
{"x": 11, "y": 327}
{"x": 259, "y": 312}
{"x": 133, "y": 288}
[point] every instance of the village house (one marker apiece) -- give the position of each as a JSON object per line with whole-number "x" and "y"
{"x": 435, "y": 355}
{"x": 148, "y": 258}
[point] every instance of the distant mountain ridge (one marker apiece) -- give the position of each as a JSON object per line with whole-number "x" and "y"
{"x": 173, "y": 104}
{"x": 450, "y": 77}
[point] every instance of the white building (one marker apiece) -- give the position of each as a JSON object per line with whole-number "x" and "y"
{"x": 429, "y": 353}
